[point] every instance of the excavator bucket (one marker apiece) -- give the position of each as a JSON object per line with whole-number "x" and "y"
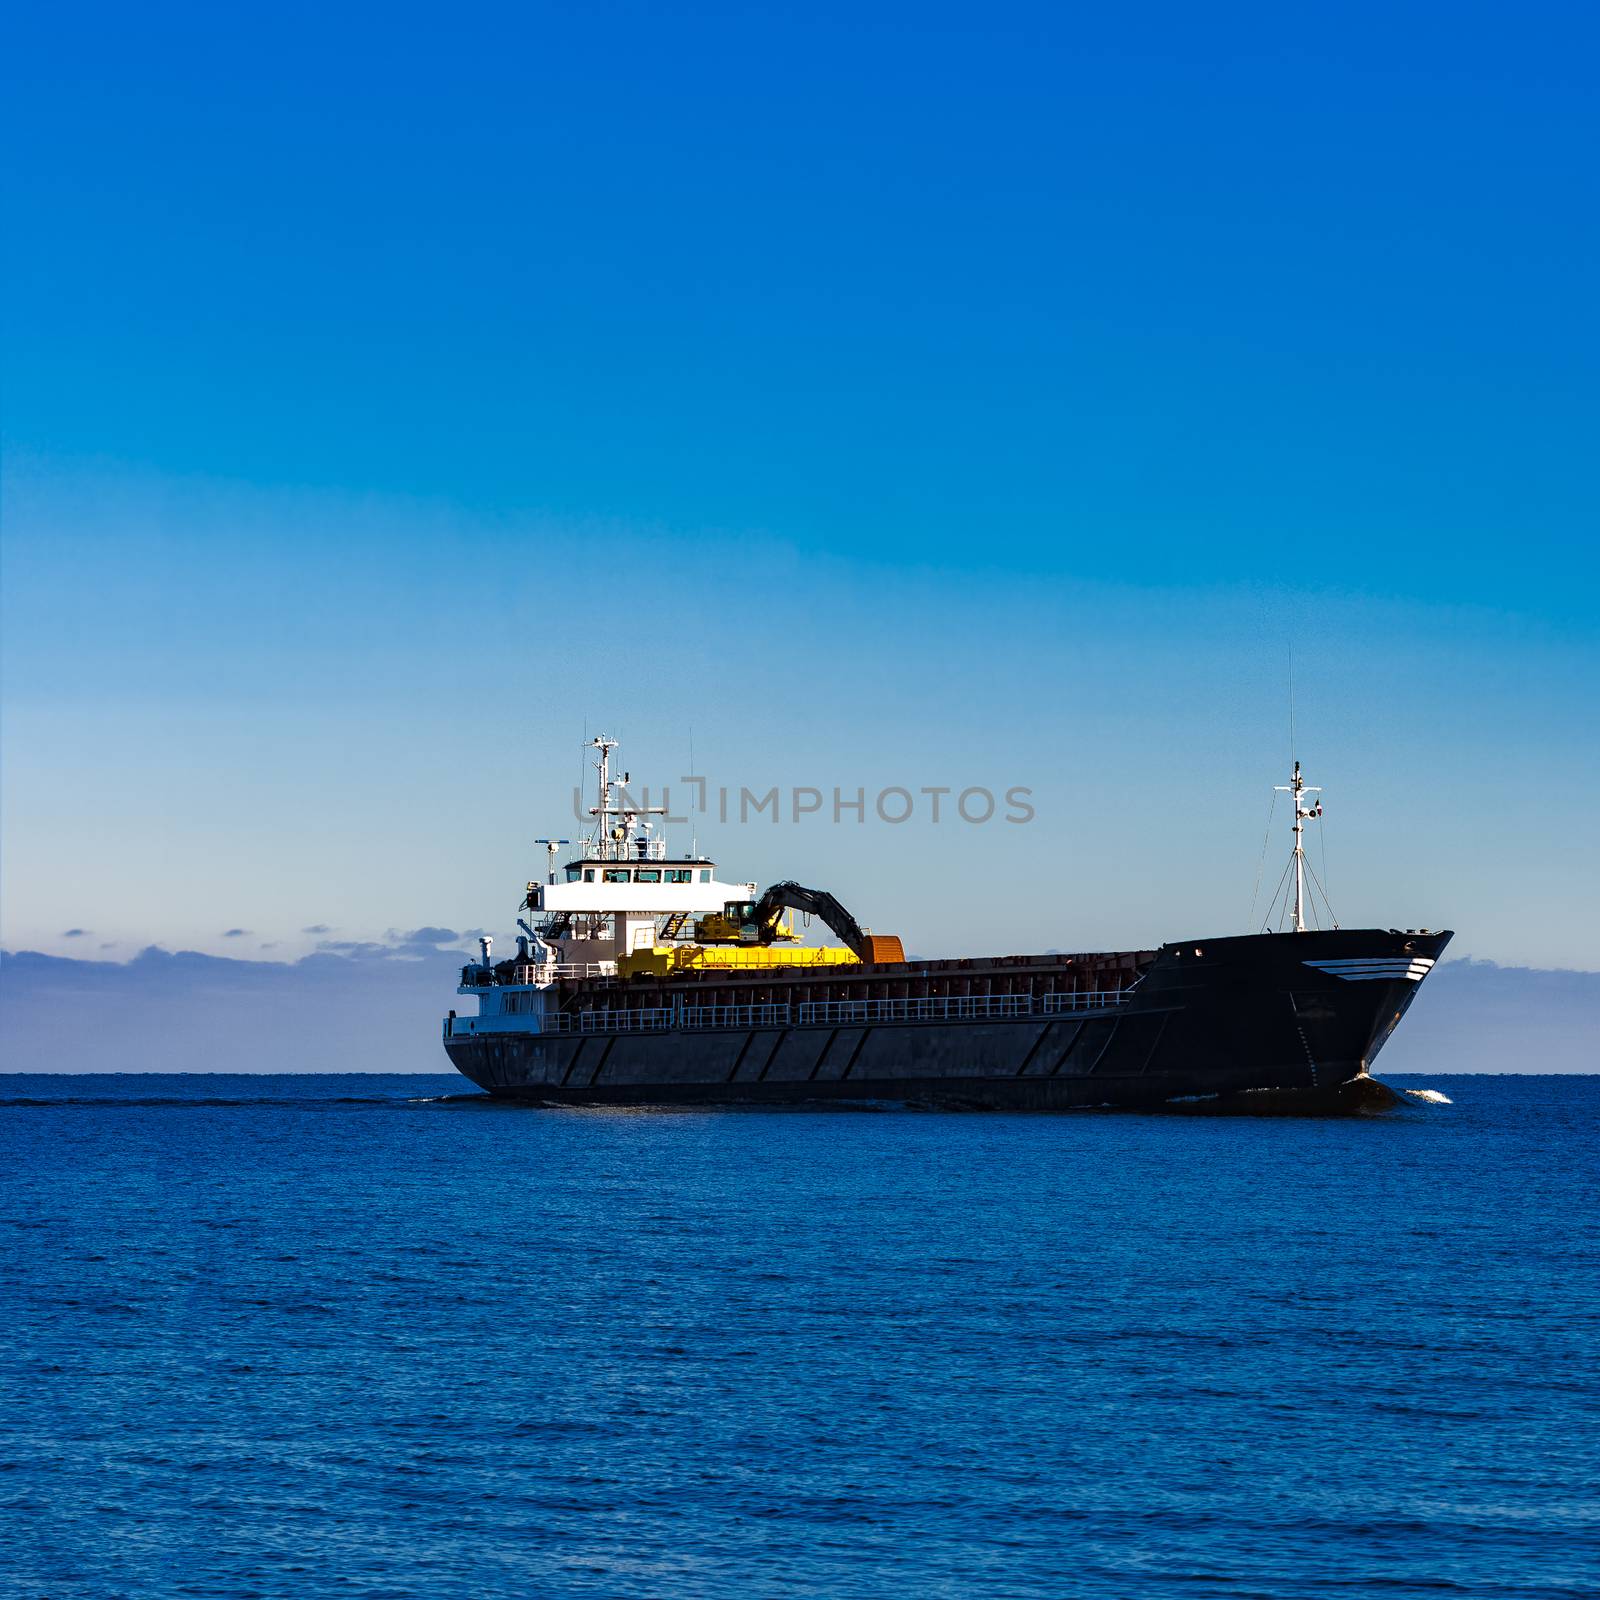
{"x": 882, "y": 947}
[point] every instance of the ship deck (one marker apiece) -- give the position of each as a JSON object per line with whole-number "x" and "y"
{"x": 887, "y": 991}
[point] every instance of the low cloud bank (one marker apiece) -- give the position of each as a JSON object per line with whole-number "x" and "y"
{"x": 361, "y": 1007}
{"x": 364, "y": 1011}
{"x": 1477, "y": 1016}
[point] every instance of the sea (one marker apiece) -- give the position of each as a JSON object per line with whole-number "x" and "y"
{"x": 373, "y": 1336}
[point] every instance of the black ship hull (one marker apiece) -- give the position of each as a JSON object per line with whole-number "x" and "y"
{"x": 1269, "y": 1023}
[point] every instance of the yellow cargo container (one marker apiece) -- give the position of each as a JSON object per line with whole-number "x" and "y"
{"x": 666, "y": 959}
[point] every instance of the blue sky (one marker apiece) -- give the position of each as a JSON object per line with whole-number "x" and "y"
{"x": 874, "y": 395}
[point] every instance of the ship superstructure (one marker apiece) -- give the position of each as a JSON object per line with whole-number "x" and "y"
{"x": 640, "y": 975}
{"x": 622, "y": 891}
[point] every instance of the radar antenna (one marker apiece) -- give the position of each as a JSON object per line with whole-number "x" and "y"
{"x": 552, "y": 846}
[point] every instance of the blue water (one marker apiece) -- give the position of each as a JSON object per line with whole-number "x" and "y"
{"x": 312, "y": 1336}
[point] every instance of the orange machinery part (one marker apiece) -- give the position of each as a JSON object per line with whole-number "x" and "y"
{"x": 883, "y": 947}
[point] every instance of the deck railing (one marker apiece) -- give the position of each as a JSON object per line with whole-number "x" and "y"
{"x": 826, "y": 1013}
{"x": 955, "y": 1007}
{"x": 756, "y": 1016}
{"x": 543, "y": 972}
{"x": 624, "y": 850}
{"x": 1084, "y": 1000}
{"x": 615, "y": 1020}
{"x": 536, "y": 972}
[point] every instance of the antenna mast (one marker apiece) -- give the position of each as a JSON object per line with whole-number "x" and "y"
{"x": 603, "y": 811}
{"x": 1299, "y": 789}
{"x": 607, "y": 842}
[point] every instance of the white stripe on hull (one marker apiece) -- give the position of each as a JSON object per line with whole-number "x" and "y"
{"x": 1414, "y": 968}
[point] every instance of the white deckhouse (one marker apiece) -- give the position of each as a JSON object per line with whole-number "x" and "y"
{"x": 622, "y": 893}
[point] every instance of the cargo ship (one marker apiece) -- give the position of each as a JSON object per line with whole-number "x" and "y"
{"x": 640, "y": 976}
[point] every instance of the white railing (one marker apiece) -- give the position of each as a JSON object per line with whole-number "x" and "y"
{"x": 616, "y": 1020}
{"x": 543, "y": 972}
{"x": 608, "y": 1019}
{"x": 623, "y": 850}
{"x": 1086, "y": 1000}
{"x": 538, "y": 973}
{"x": 955, "y": 1007}
{"x": 818, "y": 1013}
{"x": 732, "y": 1016}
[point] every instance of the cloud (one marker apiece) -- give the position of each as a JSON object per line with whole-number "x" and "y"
{"x": 110, "y": 944}
{"x": 236, "y": 933}
{"x": 317, "y": 927}
{"x": 396, "y": 944}
{"x": 76, "y": 933}
{"x": 356, "y": 949}
{"x": 189, "y": 1012}
{"x": 271, "y": 944}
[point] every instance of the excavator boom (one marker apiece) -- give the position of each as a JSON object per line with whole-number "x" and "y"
{"x": 819, "y": 903}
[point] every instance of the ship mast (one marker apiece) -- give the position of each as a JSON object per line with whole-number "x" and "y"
{"x": 603, "y": 811}
{"x": 1299, "y": 789}
{"x": 601, "y": 842}
{"x": 608, "y": 843}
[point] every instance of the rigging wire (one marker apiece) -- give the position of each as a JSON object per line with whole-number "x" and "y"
{"x": 1266, "y": 839}
{"x": 1282, "y": 890}
{"x": 582, "y": 762}
{"x": 1327, "y": 905}
{"x": 1322, "y": 834}
{"x": 694, "y": 831}
{"x": 1291, "y": 700}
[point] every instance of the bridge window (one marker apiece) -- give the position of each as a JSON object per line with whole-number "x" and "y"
{"x": 705, "y": 874}
{"x": 588, "y": 874}
{"x": 615, "y": 875}
{"x": 679, "y": 875}
{"x": 647, "y": 875}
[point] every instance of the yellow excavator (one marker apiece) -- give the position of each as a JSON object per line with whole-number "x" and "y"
{"x": 760, "y": 922}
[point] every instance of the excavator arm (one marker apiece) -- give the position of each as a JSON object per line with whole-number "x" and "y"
{"x": 783, "y": 897}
